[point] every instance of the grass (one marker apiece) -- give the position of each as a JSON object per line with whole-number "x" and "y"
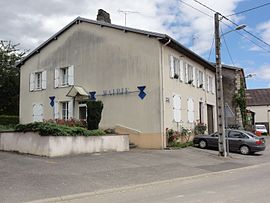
{"x": 180, "y": 145}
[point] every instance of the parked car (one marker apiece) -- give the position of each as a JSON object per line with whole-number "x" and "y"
{"x": 260, "y": 130}
{"x": 241, "y": 141}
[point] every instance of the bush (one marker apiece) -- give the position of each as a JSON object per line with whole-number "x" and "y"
{"x": 200, "y": 129}
{"x": 53, "y": 129}
{"x": 70, "y": 122}
{"x": 9, "y": 120}
{"x": 94, "y": 110}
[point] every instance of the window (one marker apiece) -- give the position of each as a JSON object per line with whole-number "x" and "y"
{"x": 38, "y": 81}
{"x": 64, "y": 76}
{"x": 174, "y": 67}
{"x": 200, "y": 83}
{"x": 37, "y": 112}
{"x": 82, "y": 111}
{"x": 65, "y": 115}
{"x": 177, "y": 108}
{"x": 190, "y": 110}
{"x": 190, "y": 73}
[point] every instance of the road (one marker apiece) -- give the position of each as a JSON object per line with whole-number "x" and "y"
{"x": 249, "y": 184}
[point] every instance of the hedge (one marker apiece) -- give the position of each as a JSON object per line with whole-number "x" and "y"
{"x": 52, "y": 129}
{"x": 9, "y": 120}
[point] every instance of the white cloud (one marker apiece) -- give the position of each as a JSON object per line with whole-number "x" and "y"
{"x": 264, "y": 29}
{"x": 264, "y": 72}
{"x": 35, "y": 21}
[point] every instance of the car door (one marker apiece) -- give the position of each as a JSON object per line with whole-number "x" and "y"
{"x": 213, "y": 140}
{"x": 235, "y": 140}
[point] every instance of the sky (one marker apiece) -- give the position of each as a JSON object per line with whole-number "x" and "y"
{"x": 31, "y": 22}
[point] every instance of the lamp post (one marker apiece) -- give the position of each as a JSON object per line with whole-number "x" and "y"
{"x": 222, "y": 145}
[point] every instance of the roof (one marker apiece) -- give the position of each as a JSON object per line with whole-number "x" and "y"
{"x": 77, "y": 90}
{"x": 258, "y": 97}
{"x": 163, "y": 38}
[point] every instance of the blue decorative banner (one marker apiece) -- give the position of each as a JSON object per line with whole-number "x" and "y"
{"x": 142, "y": 94}
{"x": 52, "y": 100}
{"x": 92, "y": 96}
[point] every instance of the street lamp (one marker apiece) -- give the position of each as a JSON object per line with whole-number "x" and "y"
{"x": 222, "y": 145}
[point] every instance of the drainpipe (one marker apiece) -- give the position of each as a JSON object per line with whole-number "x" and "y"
{"x": 161, "y": 72}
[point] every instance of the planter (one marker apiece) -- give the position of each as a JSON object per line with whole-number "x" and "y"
{"x": 52, "y": 146}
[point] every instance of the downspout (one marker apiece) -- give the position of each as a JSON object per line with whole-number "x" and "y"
{"x": 163, "y": 136}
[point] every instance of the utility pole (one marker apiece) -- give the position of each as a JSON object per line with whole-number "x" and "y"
{"x": 219, "y": 94}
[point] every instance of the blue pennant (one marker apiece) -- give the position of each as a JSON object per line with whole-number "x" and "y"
{"x": 52, "y": 100}
{"x": 142, "y": 94}
{"x": 92, "y": 96}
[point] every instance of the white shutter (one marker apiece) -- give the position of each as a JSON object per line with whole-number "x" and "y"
{"x": 56, "y": 77}
{"x": 194, "y": 76}
{"x": 70, "y": 109}
{"x": 181, "y": 71}
{"x": 32, "y": 82}
{"x": 56, "y": 110}
{"x": 203, "y": 80}
{"x": 71, "y": 75}
{"x": 213, "y": 85}
{"x": 176, "y": 108}
{"x": 37, "y": 112}
{"x": 171, "y": 66}
{"x": 186, "y": 73}
{"x": 190, "y": 110}
{"x": 43, "y": 80}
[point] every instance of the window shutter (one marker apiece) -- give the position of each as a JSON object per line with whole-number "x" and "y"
{"x": 37, "y": 112}
{"x": 208, "y": 83}
{"x": 181, "y": 71}
{"x": 190, "y": 110}
{"x": 32, "y": 82}
{"x": 176, "y": 108}
{"x": 186, "y": 73}
{"x": 213, "y": 85}
{"x": 56, "y": 110}
{"x": 197, "y": 78}
{"x": 70, "y": 109}
{"x": 71, "y": 75}
{"x": 56, "y": 77}
{"x": 171, "y": 67}
{"x": 203, "y": 81}
{"x": 194, "y": 76}
{"x": 43, "y": 80}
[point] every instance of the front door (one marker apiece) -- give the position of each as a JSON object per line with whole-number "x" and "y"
{"x": 210, "y": 119}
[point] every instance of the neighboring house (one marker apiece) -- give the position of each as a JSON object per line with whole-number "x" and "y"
{"x": 258, "y": 101}
{"x": 147, "y": 81}
{"x": 233, "y": 84}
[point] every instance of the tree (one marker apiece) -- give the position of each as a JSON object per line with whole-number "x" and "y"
{"x": 94, "y": 111}
{"x": 9, "y": 77}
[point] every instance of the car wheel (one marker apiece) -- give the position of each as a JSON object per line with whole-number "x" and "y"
{"x": 244, "y": 150}
{"x": 202, "y": 144}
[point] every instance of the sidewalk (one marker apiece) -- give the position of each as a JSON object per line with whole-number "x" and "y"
{"x": 27, "y": 178}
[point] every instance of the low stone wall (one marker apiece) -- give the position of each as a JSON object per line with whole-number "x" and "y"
{"x": 52, "y": 146}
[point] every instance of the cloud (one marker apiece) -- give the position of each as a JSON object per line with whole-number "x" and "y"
{"x": 33, "y": 21}
{"x": 264, "y": 72}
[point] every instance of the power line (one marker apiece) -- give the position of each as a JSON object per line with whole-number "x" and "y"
{"x": 259, "y": 39}
{"x": 185, "y": 3}
{"x": 230, "y": 56}
{"x": 247, "y": 10}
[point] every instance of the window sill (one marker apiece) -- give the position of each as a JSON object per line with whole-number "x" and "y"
{"x": 37, "y": 90}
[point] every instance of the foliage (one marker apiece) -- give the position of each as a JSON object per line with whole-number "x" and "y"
{"x": 9, "y": 78}
{"x": 176, "y": 137}
{"x": 240, "y": 100}
{"x": 70, "y": 122}
{"x": 5, "y": 128}
{"x": 94, "y": 110}
{"x": 200, "y": 129}
{"x": 53, "y": 129}
{"x": 181, "y": 145}
{"x": 9, "y": 120}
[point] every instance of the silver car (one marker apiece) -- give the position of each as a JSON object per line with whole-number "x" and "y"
{"x": 241, "y": 141}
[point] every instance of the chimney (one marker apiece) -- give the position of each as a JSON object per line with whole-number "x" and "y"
{"x": 103, "y": 16}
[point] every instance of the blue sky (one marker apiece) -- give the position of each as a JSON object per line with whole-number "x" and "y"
{"x": 32, "y": 22}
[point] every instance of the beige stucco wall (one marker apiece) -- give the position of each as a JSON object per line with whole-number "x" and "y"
{"x": 103, "y": 59}
{"x": 185, "y": 91}
{"x": 262, "y": 113}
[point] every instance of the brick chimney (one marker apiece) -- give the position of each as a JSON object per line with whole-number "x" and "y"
{"x": 103, "y": 16}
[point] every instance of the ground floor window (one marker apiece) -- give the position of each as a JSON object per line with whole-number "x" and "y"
{"x": 64, "y": 106}
{"x": 82, "y": 111}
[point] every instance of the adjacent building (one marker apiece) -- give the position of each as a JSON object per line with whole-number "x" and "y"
{"x": 258, "y": 101}
{"x": 147, "y": 81}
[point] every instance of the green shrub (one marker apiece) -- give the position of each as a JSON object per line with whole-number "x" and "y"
{"x": 52, "y": 129}
{"x": 9, "y": 120}
{"x": 200, "y": 129}
{"x": 94, "y": 110}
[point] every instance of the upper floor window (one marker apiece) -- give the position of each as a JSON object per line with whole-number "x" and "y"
{"x": 174, "y": 67}
{"x": 200, "y": 79}
{"x": 38, "y": 81}
{"x": 64, "y": 76}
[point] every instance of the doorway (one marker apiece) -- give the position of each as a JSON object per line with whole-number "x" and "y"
{"x": 210, "y": 118}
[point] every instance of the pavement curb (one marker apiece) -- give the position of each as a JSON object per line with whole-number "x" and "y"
{"x": 124, "y": 188}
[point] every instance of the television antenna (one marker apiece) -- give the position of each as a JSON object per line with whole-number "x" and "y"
{"x": 125, "y": 12}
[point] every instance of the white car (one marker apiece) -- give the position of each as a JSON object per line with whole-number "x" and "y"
{"x": 260, "y": 130}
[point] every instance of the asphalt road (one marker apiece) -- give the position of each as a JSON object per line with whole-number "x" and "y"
{"x": 250, "y": 184}
{"x": 27, "y": 178}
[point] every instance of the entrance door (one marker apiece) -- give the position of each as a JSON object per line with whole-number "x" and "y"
{"x": 210, "y": 119}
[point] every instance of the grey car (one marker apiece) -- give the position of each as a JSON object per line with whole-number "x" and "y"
{"x": 240, "y": 141}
